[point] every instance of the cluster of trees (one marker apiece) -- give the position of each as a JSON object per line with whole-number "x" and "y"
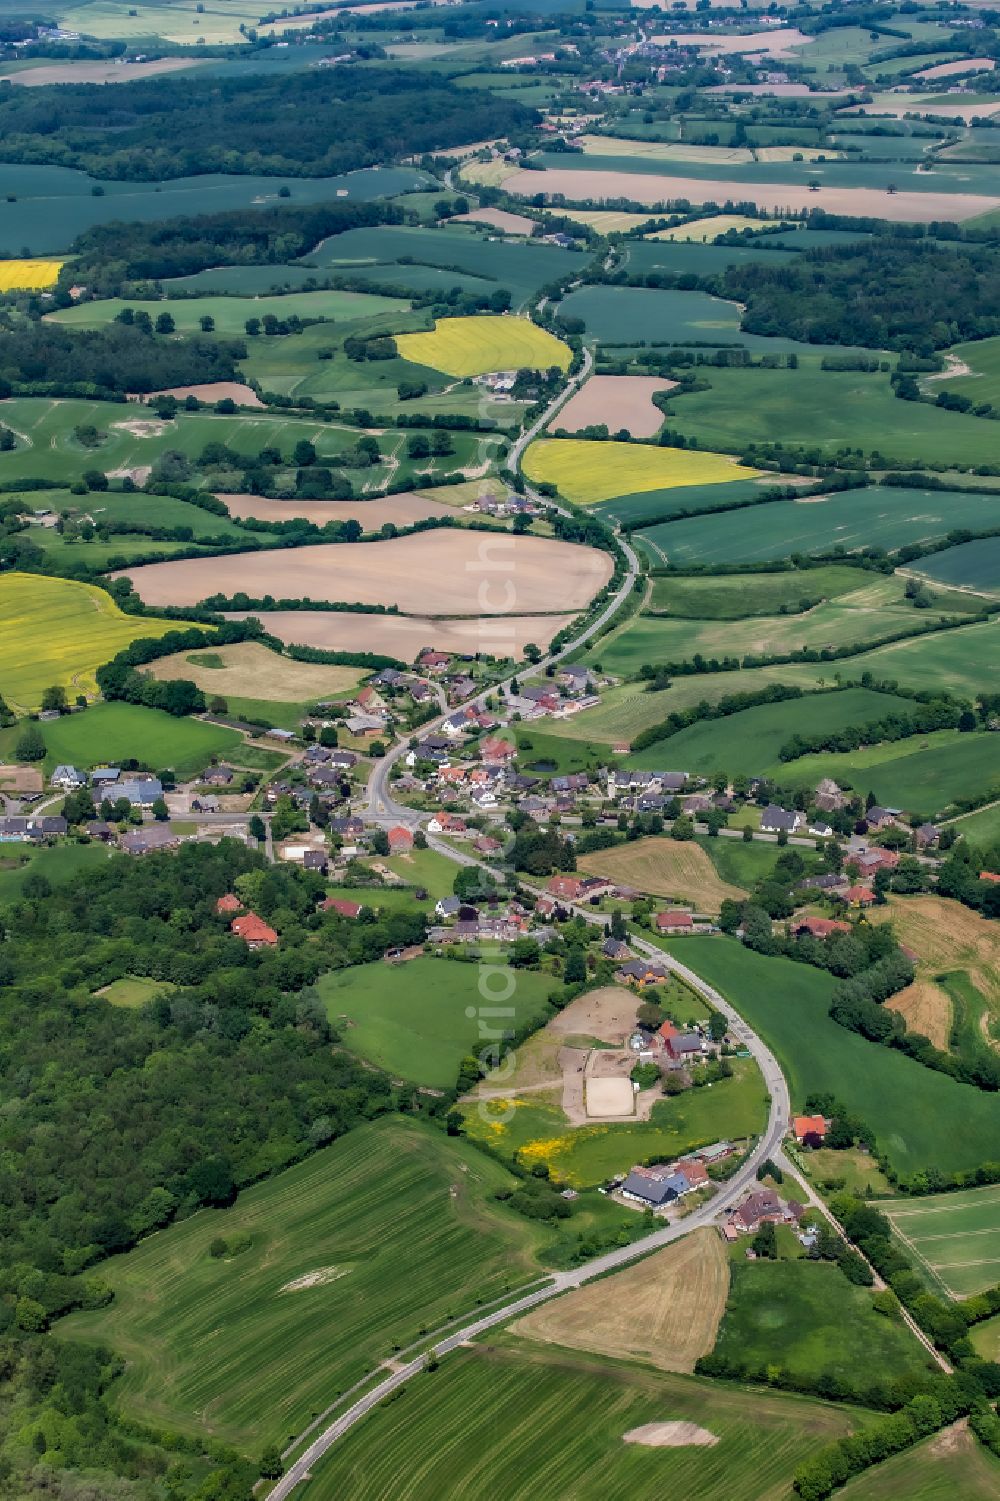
{"x": 334, "y": 120}
{"x": 537, "y": 851}
{"x": 939, "y": 714}
{"x": 959, "y": 877}
{"x": 732, "y": 703}
{"x": 48, "y": 358}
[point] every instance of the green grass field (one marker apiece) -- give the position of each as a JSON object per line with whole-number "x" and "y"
{"x": 922, "y": 774}
{"x": 807, "y": 1319}
{"x": 874, "y": 609}
{"x": 970, "y": 565}
{"x": 412, "y": 1019}
{"x": 878, "y": 517}
{"x": 681, "y": 500}
{"x": 395, "y": 1226}
{"x": 130, "y": 991}
{"x": 746, "y": 864}
{"x": 981, "y": 829}
{"x": 944, "y": 1468}
{"x": 921, "y": 1119}
{"x": 954, "y": 1238}
{"x": 58, "y": 863}
{"x": 537, "y": 1130}
{"x": 230, "y": 313}
{"x": 551, "y": 1421}
{"x": 108, "y": 733}
{"x": 735, "y": 596}
{"x": 982, "y": 356}
{"x": 54, "y": 632}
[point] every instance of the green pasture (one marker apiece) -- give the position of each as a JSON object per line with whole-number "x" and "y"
{"x": 231, "y": 313}
{"x": 425, "y": 870}
{"x": 412, "y": 1019}
{"x": 962, "y": 661}
{"x": 736, "y": 596}
{"x": 58, "y": 863}
{"x": 827, "y": 411}
{"x": 375, "y": 253}
{"x": 879, "y": 516}
{"x": 942, "y": 1468}
{"x": 982, "y": 828}
{"x": 527, "y": 1410}
{"x": 244, "y": 281}
{"x": 541, "y": 754}
{"x": 53, "y": 205}
{"x": 982, "y": 383}
{"x": 682, "y": 500}
{"x": 746, "y": 864}
{"x": 620, "y": 315}
{"x": 106, "y": 734}
{"x": 923, "y": 774}
{"x": 679, "y": 257}
{"x": 66, "y": 554}
{"x": 533, "y": 1128}
{"x": 135, "y": 508}
{"x": 750, "y": 740}
{"x": 920, "y": 1118}
{"x": 953, "y": 1238}
{"x": 232, "y": 1347}
{"x": 805, "y": 1318}
{"x": 986, "y": 1338}
{"x": 876, "y": 608}
{"x": 970, "y": 565}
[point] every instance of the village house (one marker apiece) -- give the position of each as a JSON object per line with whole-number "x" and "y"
{"x": 153, "y": 836}
{"x": 869, "y": 861}
{"x": 763, "y": 1207}
{"x": 497, "y": 752}
{"x": 217, "y": 776}
{"x": 673, "y": 921}
{"x": 859, "y": 896}
{"x": 880, "y": 818}
{"x": 102, "y": 777}
{"x": 926, "y": 836}
{"x": 97, "y": 828}
{"x": 809, "y": 1125}
{"x": 433, "y": 661}
{"x": 341, "y": 906}
{"x": 400, "y": 840}
{"x": 615, "y": 948}
{"x": 829, "y": 798}
{"x": 229, "y": 902}
{"x": 775, "y": 820}
{"x": 446, "y": 823}
{"x": 818, "y": 927}
{"x": 254, "y": 931}
{"x": 640, "y": 972}
{"x": 363, "y": 725}
{"x": 141, "y": 792}
{"x": 315, "y": 860}
{"x": 68, "y": 778}
{"x": 487, "y": 845}
{"x": 579, "y": 888}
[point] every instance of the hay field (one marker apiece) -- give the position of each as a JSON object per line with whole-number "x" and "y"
{"x": 586, "y": 470}
{"x": 249, "y": 669}
{"x": 953, "y": 69}
{"x": 56, "y": 631}
{"x": 707, "y": 229}
{"x": 777, "y": 41}
{"x": 475, "y": 346}
{"x": 406, "y": 636}
{"x": 456, "y": 573}
{"x": 955, "y": 1237}
{"x": 619, "y": 401}
{"x": 179, "y": 21}
{"x": 100, "y": 72}
{"x": 497, "y": 218}
{"x": 665, "y": 151}
{"x": 664, "y": 1311}
{"x": 606, "y": 221}
{"x": 217, "y": 390}
{"x": 28, "y": 276}
{"x": 926, "y": 1009}
{"x": 778, "y": 197}
{"x": 400, "y": 510}
{"x": 946, "y": 937}
{"x": 664, "y": 867}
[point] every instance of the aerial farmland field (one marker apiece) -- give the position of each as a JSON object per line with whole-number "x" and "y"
{"x": 585, "y": 470}
{"x": 229, "y": 314}
{"x": 111, "y": 733}
{"x": 57, "y": 632}
{"x": 473, "y": 346}
{"x": 970, "y": 565}
{"x": 954, "y": 1238}
{"x": 923, "y": 773}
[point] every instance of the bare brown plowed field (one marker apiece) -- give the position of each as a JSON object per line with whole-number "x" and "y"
{"x": 405, "y": 636}
{"x": 446, "y": 573}
{"x": 620, "y": 401}
{"x": 963, "y": 65}
{"x": 402, "y": 510}
{"x": 665, "y": 1311}
{"x": 499, "y": 218}
{"x": 773, "y": 43}
{"x": 99, "y": 72}
{"x": 218, "y": 390}
{"x": 647, "y": 187}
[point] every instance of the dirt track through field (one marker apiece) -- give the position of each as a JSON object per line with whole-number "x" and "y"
{"x": 447, "y": 573}
{"x": 647, "y": 187}
{"x": 619, "y": 401}
{"x": 406, "y": 636}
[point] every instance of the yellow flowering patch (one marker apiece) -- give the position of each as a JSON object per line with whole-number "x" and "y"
{"x": 28, "y": 276}
{"x": 586, "y": 470}
{"x": 475, "y": 346}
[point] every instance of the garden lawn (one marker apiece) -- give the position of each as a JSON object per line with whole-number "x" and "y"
{"x": 106, "y": 734}
{"x": 805, "y": 1318}
{"x": 412, "y": 1019}
{"x": 396, "y": 1226}
{"x": 131, "y": 991}
{"x": 56, "y": 632}
{"x": 921, "y": 1119}
{"x": 474, "y": 346}
{"x": 585, "y": 470}
{"x": 526, "y": 1411}
{"x": 923, "y": 774}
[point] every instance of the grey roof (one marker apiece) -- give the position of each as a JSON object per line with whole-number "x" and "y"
{"x": 653, "y": 1190}
{"x": 139, "y": 790}
{"x": 774, "y": 817}
{"x": 67, "y": 774}
{"x": 105, "y": 774}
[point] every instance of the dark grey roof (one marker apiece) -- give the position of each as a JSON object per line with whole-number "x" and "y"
{"x": 653, "y": 1190}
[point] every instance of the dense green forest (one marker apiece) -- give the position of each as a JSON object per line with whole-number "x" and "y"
{"x": 114, "y": 359}
{"x": 328, "y": 122}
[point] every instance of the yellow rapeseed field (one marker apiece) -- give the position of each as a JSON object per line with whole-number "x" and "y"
{"x": 586, "y": 471}
{"x": 58, "y": 632}
{"x": 475, "y": 346}
{"x": 28, "y": 276}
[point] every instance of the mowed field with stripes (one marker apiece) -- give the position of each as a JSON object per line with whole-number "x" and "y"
{"x": 954, "y": 1237}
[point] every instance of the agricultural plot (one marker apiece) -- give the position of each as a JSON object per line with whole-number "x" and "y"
{"x": 973, "y": 371}
{"x": 249, "y": 669}
{"x": 981, "y": 828}
{"x": 617, "y": 401}
{"x": 876, "y": 609}
{"x": 403, "y": 509}
{"x": 736, "y": 596}
{"x": 804, "y": 1317}
{"x": 953, "y": 1238}
{"x": 530, "y": 1411}
{"x": 704, "y": 231}
{"x": 474, "y": 346}
{"x": 962, "y": 661}
{"x": 430, "y": 570}
{"x": 681, "y": 1292}
{"x": 28, "y": 276}
{"x": 885, "y": 516}
{"x": 54, "y": 632}
{"x": 922, "y": 774}
{"x": 53, "y": 205}
{"x": 585, "y": 471}
{"x": 108, "y": 734}
{"x": 921, "y": 1119}
{"x": 413, "y": 1019}
{"x": 957, "y": 964}
{"x": 684, "y": 500}
{"x": 406, "y": 636}
{"x": 743, "y": 865}
{"x": 971, "y": 565}
{"x": 950, "y": 1464}
{"x": 229, "y": 314}
{"x": 249, "y": 1346}
{"x": 386, "y": 252}
{"x": 668, "y": 250}
{"x": 663, "y": 867}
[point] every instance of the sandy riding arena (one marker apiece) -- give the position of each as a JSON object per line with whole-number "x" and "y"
{"x": 773, "y": 197}
{"x": 406, "y": 636}
{"x": 619, "y": 401}
{"x": 401, "y": 510}
{"x": 451, "y": 573}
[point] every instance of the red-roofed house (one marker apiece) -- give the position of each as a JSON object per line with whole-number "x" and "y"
{"x": 446, "y": 823}
{"x": 988, "y": 875}
{"x": 809, "y": 1125}
{"x": 819, "y": 927}
{"x": 674, "y": 922}
{"x": 567, "y": 887}
{"x": 879, "y": 859}
{"x": 496, "y": 752}
{"x": 859, "y": 896}
{"x": 667, "y": 1030}
{"x": 400, "y": 840}
{"x": 433, "y": 661}
{"x": 339, "y": 905}
{"x": 229, "y": 903}
{"x": 254, "y": 931}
